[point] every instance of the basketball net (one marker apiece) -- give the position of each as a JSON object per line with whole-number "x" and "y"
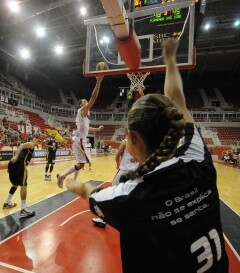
{"x": 137, "y": 80}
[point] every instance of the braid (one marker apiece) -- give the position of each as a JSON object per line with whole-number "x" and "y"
{"x": 166, "y": 147}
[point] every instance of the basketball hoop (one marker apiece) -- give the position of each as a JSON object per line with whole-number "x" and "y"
{"x": 137, "y": 80}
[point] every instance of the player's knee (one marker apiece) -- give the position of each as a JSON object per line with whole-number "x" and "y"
{"x": 79, "y": 166}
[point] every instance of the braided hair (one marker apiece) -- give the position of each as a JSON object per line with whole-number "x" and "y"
{"x": 161, "y": 126}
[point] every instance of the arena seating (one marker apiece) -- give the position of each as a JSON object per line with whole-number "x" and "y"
{"x": 113, "y": 115}
{"x": 107, "y": 132}
{"x": 35, "y": 119}
{"x": 113, "y": 144}
{"x": 3, "y": 80}
{"x": 219, "y": 150}
{"x": 227, "y": 134}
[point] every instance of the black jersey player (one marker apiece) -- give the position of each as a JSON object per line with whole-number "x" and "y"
{"x": 167, "y": 210}
{"x": 18, "y": 174}
{"x": 51, "y": 149}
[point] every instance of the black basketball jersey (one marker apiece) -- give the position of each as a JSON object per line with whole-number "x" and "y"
{"x": 52, "y": 142}
{"x": 26, "y": 155}
{"x": 169, "y": 219}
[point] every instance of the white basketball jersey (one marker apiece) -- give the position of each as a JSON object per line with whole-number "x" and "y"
{"x": 82, "y": 124}
{"x": 127, "y": 162}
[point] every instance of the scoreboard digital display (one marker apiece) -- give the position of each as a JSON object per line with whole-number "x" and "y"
{"x": 172, "y": 15}
{"x": 165, "y": 17}
{"x": 142, "y": 3}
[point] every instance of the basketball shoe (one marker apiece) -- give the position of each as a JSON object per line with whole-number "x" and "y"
{"x": 99, "y": 222}
{"x": 26, "y": 213}
{"x": 9, "y": 205}
{"x": 60, "y": 180}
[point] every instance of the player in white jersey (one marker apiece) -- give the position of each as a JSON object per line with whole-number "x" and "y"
{"x": 80, "y": 135}
{"x": 125, "y": 163}
{"x": 89, "y": 152}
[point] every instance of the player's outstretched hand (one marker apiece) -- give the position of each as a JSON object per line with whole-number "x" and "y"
{"x": 169, "y": 47}
{"x": 99, "y": 79}
{"x": 100, "y": 128}
{"x": 74, "y": 186}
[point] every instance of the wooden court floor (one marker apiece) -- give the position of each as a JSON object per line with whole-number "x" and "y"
{"x": 103, "y": 169}
{"x": 48, "y": 242}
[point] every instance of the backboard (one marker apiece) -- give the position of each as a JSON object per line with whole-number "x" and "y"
{"x": 152, "y": 23}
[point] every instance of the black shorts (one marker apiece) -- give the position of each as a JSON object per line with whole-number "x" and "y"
{"x": 50, "y": 157}
{"x": 18, "y": 173}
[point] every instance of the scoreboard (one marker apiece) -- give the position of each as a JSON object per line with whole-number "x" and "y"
{"x": 142, "y": 3}
{"x": 172, "y": 16}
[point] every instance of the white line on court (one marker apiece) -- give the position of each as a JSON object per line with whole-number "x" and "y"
{"x": 18, "y": 269}
{"x": 70, "y": 218}
{"x": 232, "y": 248}
{"x": 230, "y": 207}
{"x": 21, "y": 230}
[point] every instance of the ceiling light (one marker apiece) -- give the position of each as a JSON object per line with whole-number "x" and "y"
{"x": 83, "y": 11}
{"x": 13, "y": 6}
{"x": 207, "y": 26}
{"x": 24, "y": 53}
{"x": 40, "y": 31}
{"x": 59, "y": 50}
{"x": 236, "y": 23}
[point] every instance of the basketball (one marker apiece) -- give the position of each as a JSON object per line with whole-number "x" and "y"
{"x": 102, "y": 66}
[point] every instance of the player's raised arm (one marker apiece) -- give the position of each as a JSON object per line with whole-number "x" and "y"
{"x": 93, "y": 98}
{"x": 173, "y": 87}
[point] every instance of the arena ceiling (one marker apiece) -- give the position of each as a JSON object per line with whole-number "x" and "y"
{"x": 218, "y": 49}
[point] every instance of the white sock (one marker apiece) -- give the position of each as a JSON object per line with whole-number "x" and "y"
{"x": 23, "y": 205}
{"x": 9, "y": 198}
{"x": 69, "y": 171}
{"x": 76, "y": 174}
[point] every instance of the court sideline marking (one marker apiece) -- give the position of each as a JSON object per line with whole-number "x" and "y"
{"x": 15, "y": 268}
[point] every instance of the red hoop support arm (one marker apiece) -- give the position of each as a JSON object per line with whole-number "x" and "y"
{"x": 130, "y": 49}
